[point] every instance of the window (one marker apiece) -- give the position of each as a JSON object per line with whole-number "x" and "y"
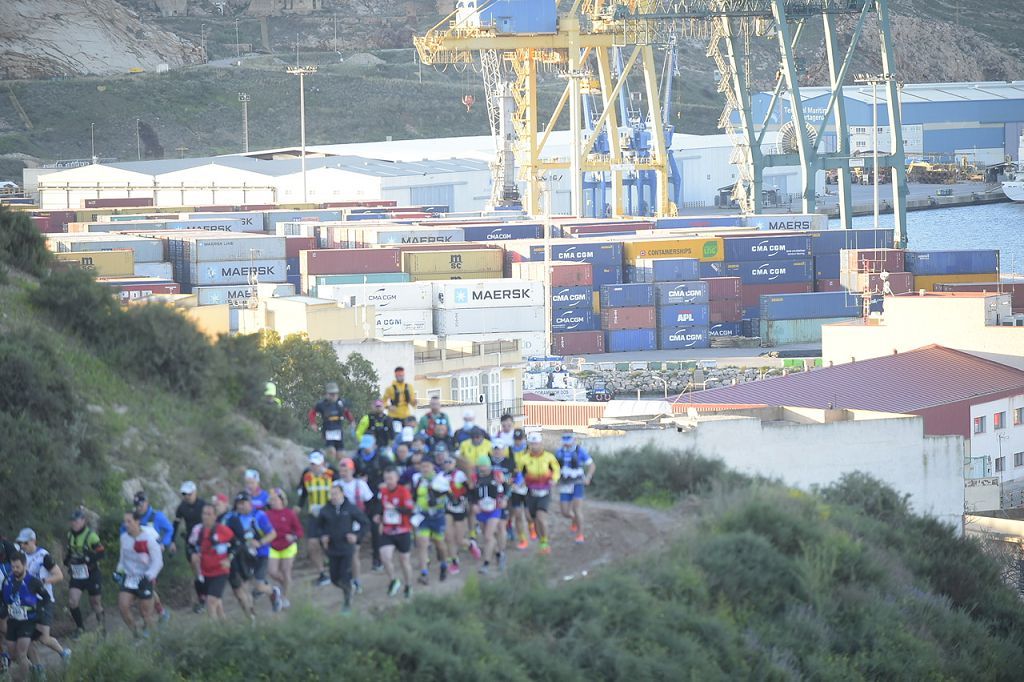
{"x": 1000, "y": 464}
{"x": 1018, "y": 459}
{"x": 998, "y": 421}
{"x": 1018, "y": 416}
{"x": 466, "y": 388}
{"x": 979, "y": 425}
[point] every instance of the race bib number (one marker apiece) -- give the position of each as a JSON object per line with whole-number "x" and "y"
{"x": 332, "y": 435}
{"x": 566, "y": 488}
{"x": 520, "y": 489}
{"x": 17, "y": 612}
{"x": 221, "y": 548}
{"x": 79, "y": 571}
{"x": 536, "y": 492}
{"x": 488, "y": 504}
{"x": 457, "y": 508}
{"x": 392, "y": 517}
{"x": 416, "y": 520}
{"x": 131, "y": 582}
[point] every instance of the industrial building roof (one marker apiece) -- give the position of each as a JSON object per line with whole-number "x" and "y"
{"x": 914, "y": 93}
{"x": 900, "y": 383}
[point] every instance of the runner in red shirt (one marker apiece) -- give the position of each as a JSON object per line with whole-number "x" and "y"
{"x": 212, "y": 544}
{"x": 395, "y": 529}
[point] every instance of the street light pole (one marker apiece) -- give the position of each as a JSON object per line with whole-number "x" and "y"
{"x": 138, "y": 138}
{"x": 238, "y": 49}
{"x": 301, "y": 72}
{"x": 202, "y": 40}
{"x": 92, "y": 140}
{"x": 245, "y": 99}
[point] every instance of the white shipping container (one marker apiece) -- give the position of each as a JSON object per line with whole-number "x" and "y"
{"x": 240, "y": 296}
{"x": 788, "y": 221}
{"x": 489, "y": 320}
{"x": 533, "y": 344}
{"x": 404, "y": 322}
{"x": 414, "y": 235}
{"x": 146, "y": 250}
{"x": 201, "y": 248}
{"x": 389, "y": 296}
{"x": 252, "y": 221}
{"x": 215, "y": 224}
{"x": 157, "y": 270}
{"x": 297, "y": 229}
{"x": 492, "y": 293}
{"x": 223, "y": 273}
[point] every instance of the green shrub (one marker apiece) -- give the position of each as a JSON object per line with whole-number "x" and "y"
{"x": 656, "y": 476}
{"x": 75, "y": 302}
{"x": 747, "y": 571}
{"x": 22, "y": 246}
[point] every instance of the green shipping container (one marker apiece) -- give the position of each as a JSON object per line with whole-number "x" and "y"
{"x": 310, "y": 283}
{"x": 783, "y": 332}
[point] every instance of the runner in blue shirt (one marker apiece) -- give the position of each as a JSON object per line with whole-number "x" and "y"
{"x": 577, "y": 471}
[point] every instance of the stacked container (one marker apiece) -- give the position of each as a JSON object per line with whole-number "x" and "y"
{"x": 683, "y": 314}
{"x": 453, "y": 264}
{"x": 628, "y": 317}
{"x": 861, "y": 270}
{"x": 952, "y": 267}
{"x": 349, "y": 266}
{"x": 488, "y": 307}
{"x": 798, "y": 318}
{"x": 229, "y": 263}
{"x": 402, "y": 309}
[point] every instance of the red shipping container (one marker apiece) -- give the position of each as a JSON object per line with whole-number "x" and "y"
{"x": 58, "y": 219}
{"x": 132, "y": 202}
{"x": 292, "y": 245}
{"x": 349, "y": 261}
{"x": 725, "y": 311}
{"x": 42, "y": 224}
{"x": 899, "y": 282}
{"x": 572, "y": 275}
{"x": 828, "y": 285}
{"x": 724, "y": 288}
{"x": 577, "y": 343}
{"x": 133, "y": 292}
{"x": 752, "y": 293}
{"x": 1013, "y": 287}
{"x": 871, "y": 260}
{"x": 628, "y": 318}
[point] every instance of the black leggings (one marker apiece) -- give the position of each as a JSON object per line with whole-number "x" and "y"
{"x": 373, "y": 508}
{"x": 340, "y": 566}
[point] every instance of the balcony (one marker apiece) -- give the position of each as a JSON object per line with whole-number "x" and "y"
{"x": 495, "y": 410}
{"x": 432, "y": 362}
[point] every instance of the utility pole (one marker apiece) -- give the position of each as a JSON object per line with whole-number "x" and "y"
{"x": 238, "y": 48}
{"x": 92, "y": 140}
{"x": 202, "y": 40}
{"x": 244, "y": 98}
{"x": 138, "y": 138}
{"x": 301, "y": 72}
{"x": 336, "y": 34}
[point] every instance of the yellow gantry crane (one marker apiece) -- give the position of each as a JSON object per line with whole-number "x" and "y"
{"x": 599, "y": 46}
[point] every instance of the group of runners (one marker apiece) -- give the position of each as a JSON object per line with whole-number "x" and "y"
{"x": 407, "y": 485}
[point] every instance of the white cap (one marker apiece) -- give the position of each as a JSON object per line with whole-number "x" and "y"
{"x": 535, "y": 437}
{"x": 316, "y": 457}
{"x": 469, "y": 415}
{"x": 188, "y": 487}
{"x": 26, "y": 535}
{"x": 253, "y": 474}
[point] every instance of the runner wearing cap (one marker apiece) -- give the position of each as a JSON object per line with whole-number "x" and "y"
{"x": 370, "y": 463}
{"x": 164, "y": 529}
{"x": 313, "y": 493}
{"x": 22, "y": 596}
{"x": 456, "y": 510}
{"x": 396, "y": 530}
{"x": 258, "y": 495}
{"x": 488, "y": 499}
{"x": 285, "y": 546}
{"x": 377, "y": 424}
{"x": 248, "y": 576}
{"x": 222, "y": 505}
{"x": 140, "y": 563}
{"x": 578, "y": 469}
{"x": 188, "y": 515}
{"x": 213, "y": 546}
{"x": 82, "y": 554}
{"x": 358, "y": 492}
{"x": 334, "y": 416}
{"x": 430, "y": 491}
{"x": 340, "y": 527}
{"x": 540, "y": 471}
{"x": 518, "y": 490}
{"x": 40, "y": 564}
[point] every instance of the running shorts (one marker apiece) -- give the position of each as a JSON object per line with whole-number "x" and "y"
{"x": 289, "y": 552}
{"x": 401, "y": 542}
{"x": 432, "y": 527}
{"x": 534, "y": 505}
{"x": 215, "y": 586}
{"x": 517, "y": 501}
{"x": 91, "y": 585}
{"x": 21, "y": 629}
{"x": 575, "y": 494}
{"x": 484, "y": 517}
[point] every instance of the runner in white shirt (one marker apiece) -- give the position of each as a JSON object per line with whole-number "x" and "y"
{"x": 357, "y": 491}
{"x": 140, "y": 563}
{"x": 40, "y": 564}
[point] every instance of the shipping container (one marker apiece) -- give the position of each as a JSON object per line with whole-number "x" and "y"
{"x": 673, "y": 269}
{"x": 834, "y": 241}
{"x": 405, "y": 322}
{"x": 146, "y": 250}
{"x": 952, "y": 262}
{"x": 130, "y": 202}
{"x": 272, "y": 218}
{"x": 630, "y": 340}
{"x": 711, "y": 269}
{"x": 684, "y": 338}
{"x": 899, "y": 282}
{"x": 787, "y": 221}
{"x": 292, "y": 267}
{"x": 455, "y": 276}
{"x": 855, "y": 261}
{"x": 489, "y": 320}
{"x": 309, "y": 284}
{"x": 751, "y": 312}
{"x": 610, "y": 227}
{"x": 452, "y": 262}
{"x": 578, "y": 343}
{"x": 598, "y": 254}
{"x": 751, "y": 327}
{"x": 251, "y": 221}
{"x": 224, "y": 273}
{"x": 810, "y": 306}
{"x": 769, "y": 246}
{"x": 154, "y": 270}
{"x": 1014, "y": 287}
{"x": 211, "y": 224}
{"x": 783, "y": 332}
{"x": 238, "y": 296}
{"x": 502, "y": 232}
{"x": 627, "y": 295}
{"x": 561, "y": 275}
{"x": 136, "y": 288}
{"x": 725, "y": 311}
{"x": 724, "y": 288}
{"x": 686, "y": 222}
{"x": 492, "y": 293}
{"x": 572, "y": 298}
{"x": 751, "y": 294}
{"x": 385, "y": 297}
{"x": 605, "y": 275}
{"x": 928, "y": 282}
{"x": 385, "y": 236}
{"x": 828, "y": 284}
{"x": 301, "y": 229}
{"x": 293, "y": 245}
{"x": 701, "y": 248}
{"x": 671, "y": 293}
{"x": 629, "y": 318}
{"x": 44, "y": 225}
{"x": 726, "y": 329}
{"x": 693, "y": 315}
{"x": 349, "y": 261}
{"x": 103, "y": 263}
{"x": 635, "y": 275}
{"x": 573, "y": 320}
{"x": 533, "y": 344}
{"x": 201, "y": 248}
{"x": 771, "y": 272}
{"x": 828, "y": 266}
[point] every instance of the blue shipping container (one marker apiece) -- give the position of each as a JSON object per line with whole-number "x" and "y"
{"x": 668, "y": 293}
{"x": 636, "y": 275}
{"x": 625, "y": 340}
{"x": 751, "y": 327}
{"x": 581, "y": 320}
{"x": 490, "y": 233}
{"x": 952, "y": 262}
{"x": 606, "y": 275}
{"x": 596, "y": 253}
{"x": 572, "y": 298}
{"x": 771, "y": 272}
{"x": 313, "y": 215}
{"x": 627, "y": 295}
{"x": 770, "y": 246}
{"x": 681, "y": 338}
{"x": 751, "y": 311}
{"x": 726, "y": 329}
{"x": 676, "y": 269}
{"x": 292, "y": 266}
{"x": 809, "y": 306}
{"x": 712, "y": 269}
{"x": 684, "y": 222}
{"x": 694, "y": 315}
{"x": 827, "y": 266}
{"x": 520, "y": 16}
{"x": 834, "y": 241}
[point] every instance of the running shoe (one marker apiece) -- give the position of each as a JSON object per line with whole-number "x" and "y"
{"x": 394, "y": 587}
{"x": 322, "y": 580}
{"x": 580, "y": 539}
{"x": 424, "y": 579}
{"x": 77, "y": 634}
{"x": 377, "y": 566}
{"x": 285, "y": 604}
{"x": 198, "y": 608}
{"x": 65, "y": 655}
{"x": 165, "y": 616}
{"x": 357, "y": 587}
{"x": 346, "y": 610}
{"x": 522, "y": 544}
{"x": 574, "y": 528}
{"x": 501, "y": 561}
{"x": 474, "y": 549}
{"x": 275, "y": 599}
{"x": 408, "y": 591}
{"x": 454, "y": 568}
{"x": 533, "y": 532}
{"x": 444, "y": 571}
{"x": 545, "y": 548}
{"x": 484, "y": 569}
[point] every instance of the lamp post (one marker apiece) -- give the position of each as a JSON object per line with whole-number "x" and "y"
{"x": 92, "y": 140}
{"x": 138, "y": 137}
{"x": 874, "y": 81}
{"x": 244, "y": 98}
{"x": 238, "y": 49}
{"x": 301, "y": 72}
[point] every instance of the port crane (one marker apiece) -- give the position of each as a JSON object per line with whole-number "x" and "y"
{"x": 600, "y": 47}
